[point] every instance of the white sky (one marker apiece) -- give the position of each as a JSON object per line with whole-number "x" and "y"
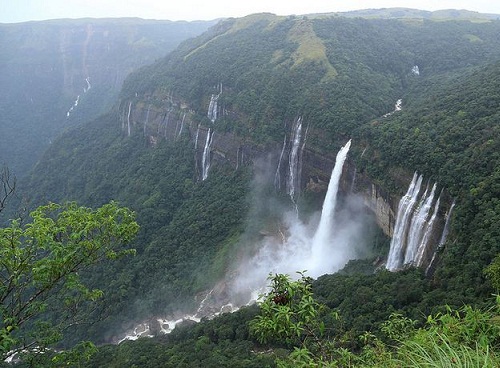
{"x": 12, "y": 11}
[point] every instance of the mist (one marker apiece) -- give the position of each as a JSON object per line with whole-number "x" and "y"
{"x": 288, "y": 243}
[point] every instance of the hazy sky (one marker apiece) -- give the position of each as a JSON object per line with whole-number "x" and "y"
{"x": 25, "y": 10}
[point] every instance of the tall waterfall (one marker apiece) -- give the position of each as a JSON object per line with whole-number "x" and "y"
{"x": 446, "y": 229}
{"x": 212, "y": 106}
{"x": 197, "y": 136}
{"x": 442, "y": 240}
{"x": 418, "y": 225}
{"x": 293, "y": 178}
{"x": 205, "y": 161}
{"x": 320, "y": 252}
{"x": 182, "y": 125}
{"x": 322, "y": 237}
{"x": 414, "y": 226}
{"x": 429, "y": 226}
{"x": 405, "y": 207}
{"x": 128, "y": 118}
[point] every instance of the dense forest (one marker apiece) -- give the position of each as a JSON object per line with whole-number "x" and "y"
{"x": 342, "y": 76}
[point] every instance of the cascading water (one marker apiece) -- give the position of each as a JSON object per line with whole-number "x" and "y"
{"x": 405, "y": 208}
{"x": 424, "y": 243}
{"x": 418, "y": 226}
{"x": 442, "y": 240}
{"x": 167, "y": 119}
{"x": 75, "y": 104}
{"x": 205, "y": 162}
{"x": 293, "y": 179}
{"x": 85, "y": 90}
{"x": 212, "y": 106}
{"x": 196, "y": 139}
{"x": 397, "y": 107}
{"x": 128, "y": 117}
{"x": 446, "y": 228}
{"x": 411, "y": 242}
{"x": 296, "y": 250}
{"x": 182, "y": 125}
{"x": 321, "y": 243}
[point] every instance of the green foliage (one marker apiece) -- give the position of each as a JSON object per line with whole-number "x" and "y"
{"x": 463, "y": 338}
{"x": 288, "y": 311}
{"x": 493, "y": 272}
{"x": 41, "y": 292}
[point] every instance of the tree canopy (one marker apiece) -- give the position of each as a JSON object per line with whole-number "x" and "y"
{"x": 41, "y": 293}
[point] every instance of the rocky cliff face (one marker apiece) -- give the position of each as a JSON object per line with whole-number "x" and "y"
{"x": 166, "y": 119}
{"x": 175, "y": 121}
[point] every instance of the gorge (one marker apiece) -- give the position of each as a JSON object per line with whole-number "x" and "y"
{"x": 225, "y": 148}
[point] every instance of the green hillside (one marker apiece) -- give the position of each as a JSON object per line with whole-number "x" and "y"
{"x": 341, "y": 75}
{"x": 46, "y": 66}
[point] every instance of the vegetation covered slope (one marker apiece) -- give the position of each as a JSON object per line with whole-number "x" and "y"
{"x": 45, "y": 66}
{"x": 341, "y": 75}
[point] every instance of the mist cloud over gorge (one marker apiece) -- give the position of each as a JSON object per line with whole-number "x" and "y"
{"x": 280, "y": 241}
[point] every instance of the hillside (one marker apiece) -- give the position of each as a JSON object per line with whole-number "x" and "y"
{"x": 196, "y": 142}
{"x": 58, "y": 74}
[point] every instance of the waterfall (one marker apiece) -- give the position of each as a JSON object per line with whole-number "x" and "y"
{"x": 405, "y": 208}
{"x": 167, "y": 118}
{"x": 205, "y": 162}
{"x": 182, "y": 125}
{"x": 353, "y": 182}
{"x": 424, "y": 243}
{"x": 196, "y": 139}
{"x": 294, "y": 251}
{"x": 442, "y": 240}
{"x": 128, "y": 118}
{"x": 397, "y": 107}
{"x": 323, "y": 236}
{"x": 446, "y": 228}
{"x": 86, "y": 89}
{"x": 418, "y": 226}
{"x": 293, "y": 179}
{"x": 212, "y": 106}
{"x": 75, "y": 104}
{"x": 277, "y": 176}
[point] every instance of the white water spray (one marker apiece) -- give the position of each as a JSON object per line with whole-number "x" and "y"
{"x": 321, "y": 244}
{"x": 418, "y": 226}
{"x": 182, "y": 125}
{"x": 423, "y": 248}
{"x": 196, "y": 139}
{"x": 293, "y": 179}
{"x": 298, "y": 246}
{"x": 128, "y": 118}
{"x": 212, "y": 106}
{"x": 405, "y": 208}
{"x": 205, "y": 162}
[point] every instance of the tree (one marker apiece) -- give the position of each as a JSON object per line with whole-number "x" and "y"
{"x": 41, "y": 291}
{"x": 290, "y": 314}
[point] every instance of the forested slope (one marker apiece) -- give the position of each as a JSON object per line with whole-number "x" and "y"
{"x": 341, "y": 75}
